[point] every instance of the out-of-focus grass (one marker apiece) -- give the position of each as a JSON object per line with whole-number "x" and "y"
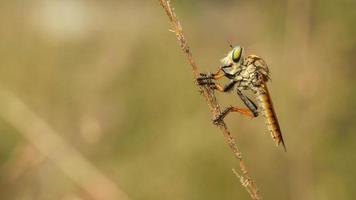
{"x": 109, "y": 77}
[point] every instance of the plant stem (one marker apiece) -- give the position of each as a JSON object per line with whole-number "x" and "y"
{"x": 214, "y": 107}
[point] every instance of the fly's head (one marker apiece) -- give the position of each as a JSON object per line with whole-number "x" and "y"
{"x": 232, "y": 62}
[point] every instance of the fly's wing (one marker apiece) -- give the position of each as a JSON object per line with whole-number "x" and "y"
{"x": 264, "y": 98}
{"x": 267, "y": 109}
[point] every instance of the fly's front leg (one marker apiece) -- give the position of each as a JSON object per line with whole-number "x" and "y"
{"x": 206, "y": 79}
{"x": 216, "y": 86}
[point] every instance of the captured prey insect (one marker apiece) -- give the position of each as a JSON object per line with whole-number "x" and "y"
{"x": 250, "y": 73}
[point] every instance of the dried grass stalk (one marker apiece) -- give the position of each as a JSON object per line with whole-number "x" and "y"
{"x": 214, "y": 107}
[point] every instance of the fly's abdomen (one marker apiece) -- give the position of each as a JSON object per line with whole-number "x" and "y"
{"x": 268, "y": 112}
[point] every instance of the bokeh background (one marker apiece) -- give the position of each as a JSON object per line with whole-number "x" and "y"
{"x": 98, "y": 101}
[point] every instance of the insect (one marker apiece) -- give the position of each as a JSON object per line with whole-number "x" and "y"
{"x": 250, "y": 73}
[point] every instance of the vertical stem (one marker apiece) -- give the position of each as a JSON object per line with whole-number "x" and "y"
{"x": 214, "y": 107}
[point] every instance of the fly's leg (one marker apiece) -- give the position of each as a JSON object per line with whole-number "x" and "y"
{"x": 226, "y": 88}
{"x": 249, "y": 103}
{"x": 206, "y": 79}
{"x": 251, "y": 110}
{"x": 229, "y": 87}
{"x": 223, "y": 114}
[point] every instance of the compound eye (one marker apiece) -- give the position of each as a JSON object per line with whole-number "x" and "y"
{"x": 236, "y": 54}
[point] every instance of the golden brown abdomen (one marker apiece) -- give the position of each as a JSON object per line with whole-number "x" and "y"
{"x": 267, "y": 110}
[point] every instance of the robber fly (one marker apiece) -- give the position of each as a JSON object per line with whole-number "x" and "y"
{"x": 250, "y": 73}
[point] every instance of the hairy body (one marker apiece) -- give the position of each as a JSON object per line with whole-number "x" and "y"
{"x": 250, "y": 73}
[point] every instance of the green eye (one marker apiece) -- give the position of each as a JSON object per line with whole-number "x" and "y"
{"x": 236, "y": 54}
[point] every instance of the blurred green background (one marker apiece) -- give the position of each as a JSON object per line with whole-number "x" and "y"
{"x": 98, "y": 101}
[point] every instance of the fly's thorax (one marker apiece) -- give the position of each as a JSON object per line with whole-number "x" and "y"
{"x": 248, "y": 78}
{"x": 248, "y": 72}
{"x": 260, "y": 65}
{"x": 254, "y": 72}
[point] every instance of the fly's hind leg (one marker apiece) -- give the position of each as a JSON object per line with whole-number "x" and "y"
{"x": 251, "y": 110}
{"x": 249, "y": 103}
{"x": 245, "y": 111}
